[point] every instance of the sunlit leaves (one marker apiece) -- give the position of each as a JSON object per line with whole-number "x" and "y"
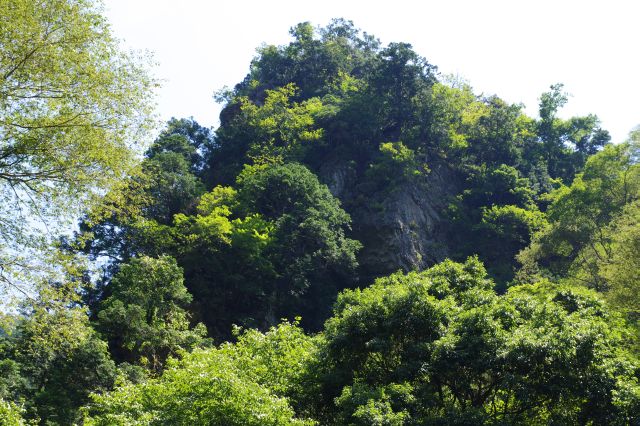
{"x": 73, "y": 110}
{"x": 441, "y": 347}
{"x": 246, "y": 383}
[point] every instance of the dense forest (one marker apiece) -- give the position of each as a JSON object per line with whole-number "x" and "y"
{"x": 361, "y": 241}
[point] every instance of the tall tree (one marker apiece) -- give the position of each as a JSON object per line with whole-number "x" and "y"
{"x": 144, "y": 318}
{"x": 73, "y": 107}
{"x": 58, "y": 360}
{"x": 566, "y": 144}
{"x": 440, "y": 347}
{"x": 579, "y": 212}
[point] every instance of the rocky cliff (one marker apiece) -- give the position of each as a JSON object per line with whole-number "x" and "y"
{"x": 402, "y": 226}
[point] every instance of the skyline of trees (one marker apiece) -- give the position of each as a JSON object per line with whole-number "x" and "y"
{"x": 360, "y": 242}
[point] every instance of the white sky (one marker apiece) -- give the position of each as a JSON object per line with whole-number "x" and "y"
{"x": 512, "y": 48}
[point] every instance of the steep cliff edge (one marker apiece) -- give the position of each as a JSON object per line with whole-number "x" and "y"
{"x": 401, "y": 227}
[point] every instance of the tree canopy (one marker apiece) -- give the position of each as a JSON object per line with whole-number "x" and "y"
{"x": 73, "y": 109}
{"x": 440, "y": 347}
{"x": 361, "y": 241}
{"x": 242, "y": 384}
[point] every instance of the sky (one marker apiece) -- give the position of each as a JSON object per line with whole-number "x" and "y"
{"x": 511, "y": 48}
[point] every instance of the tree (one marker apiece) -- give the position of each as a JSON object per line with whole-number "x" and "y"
{"x": 312, "y": 61}
{"x": 170, "y": 186}
{"x": 567, "y": 144}
{"x": 73, "y": 107}
{"x": 188, "y": 138}
{"x": 274, "y": 248}
{"x": 579, "y": 212}
{"x": 169, "y": 181}
{"x": 440, "y": 347}
{"x": 503, "y": 232}
{"x": 494, "y": 217}
{"x": 10, "y": 414}
{"x": 397, "y": 164}
{"x": 241, "y": 384}
{"x": 310, "y": 252}
{"x": 276, "y": 127}
{"x": 499, "y": 134}
{"x": 57, "y": 360}
{"x": 610, "y": 263}
{"x": 144, "y": 317}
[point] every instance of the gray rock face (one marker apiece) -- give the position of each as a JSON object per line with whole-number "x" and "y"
{"x": 337, "y": 176}
{"x": 401, "y": 228}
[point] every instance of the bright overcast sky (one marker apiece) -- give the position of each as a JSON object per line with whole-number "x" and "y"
{"x": 511, "y": 48}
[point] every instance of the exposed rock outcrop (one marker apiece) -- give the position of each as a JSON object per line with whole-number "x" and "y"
{"x": 400, "y": 227}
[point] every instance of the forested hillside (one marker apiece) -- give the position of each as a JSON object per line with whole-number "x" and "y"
{"x": 361, "y": 241}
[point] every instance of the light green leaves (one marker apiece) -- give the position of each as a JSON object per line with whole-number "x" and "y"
{"x": 280, "y": 127}
{"x": 241, "y": 384}
{"x": 73, "y": 109}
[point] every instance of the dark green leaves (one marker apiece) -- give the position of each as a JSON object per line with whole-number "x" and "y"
{"x": 440, "y": 347}
{"x": 144, "y": 318}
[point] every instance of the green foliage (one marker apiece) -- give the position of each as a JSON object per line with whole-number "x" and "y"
{"x": 276, "y": 128}
{"x": 578, "y": 213}
{"x": 54, "y": 359}
{"x": 513, "y": 222}
{"x": 455, "y": 111}
{"x": 10, "y": 414}
{"x": 273, "y": 247}
{"x": 276, "y": 359}
{"x": 498, "y": 132}
{"x": 236, "y": 384}
{"x": 619, "y": 262}
{"x": 313, "y": 59}
{"x": 310, "y": 252}
{"x": 203, "y": 392}
{"x": 373, "y": 405}
{"x": 276, "y": 248}
{"x": 174, "y": 170}
{"x": 72, "y": 105}
{"x": 281, "y": 130}
{"x": 172, "y": 188}
{"x": 566, "y": 144}
{"x": 495, "y": 218}
{"x": 188, "y": 138}
{"x": 144, "y": 317}
{"x": 169, "y": 182}
{"x": 502, "y": 185}
{"x": 397, "y": 164}
{"x": 503, "y": 232}
{"x": 440, "y": 347}
{"x": 610, "y": 263}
